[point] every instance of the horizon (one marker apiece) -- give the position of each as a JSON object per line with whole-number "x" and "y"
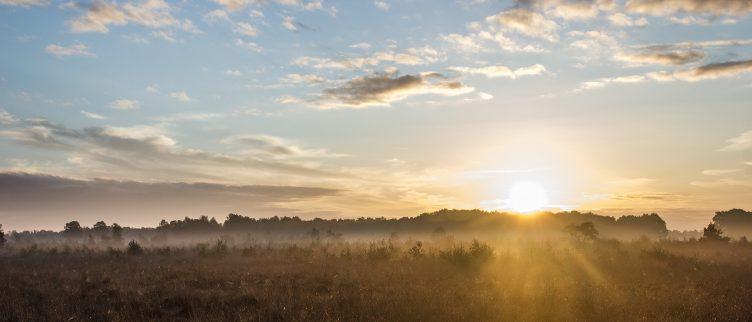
{"x": 137, "y": 111}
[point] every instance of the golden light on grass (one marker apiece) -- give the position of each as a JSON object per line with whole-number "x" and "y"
{"x": 527, "y": 197}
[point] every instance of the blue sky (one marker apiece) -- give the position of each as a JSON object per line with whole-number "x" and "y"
{"x": 392, "y": 108}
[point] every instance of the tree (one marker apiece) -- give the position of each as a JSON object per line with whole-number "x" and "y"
{"x": 2, "y": 237}
{"x": 117, "y": 233}
{"x": 714, "y": 233}
{"x": 583, "y": 232}
{"x": 100, "y": 227}
{"x": 73, "y": 229}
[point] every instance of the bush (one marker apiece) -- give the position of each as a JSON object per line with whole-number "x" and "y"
{"x": 134, "y": 248}
{"x": 380, "y": 251}
{"x": 476, "y": 255}
{"x": 416, "y": 251}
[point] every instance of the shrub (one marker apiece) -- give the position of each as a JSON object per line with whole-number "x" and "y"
{"x": 134, "y": 248}
{"x": 2, "y": 237}
{"x": 476, "y": 255}
{"x": 380, "y": 251}
{"x": 416, "y": 251}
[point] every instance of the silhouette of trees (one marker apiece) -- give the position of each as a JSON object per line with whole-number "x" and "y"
{"x": 583, "y": 232}
{"x": 713, "y": 233}
{"x": 117, "y": 233}
{"x": 2, "y": 237}
{"x": 73, "y": 229}
{"x": 134, "y": 248}
{"x": 735, "y": 222}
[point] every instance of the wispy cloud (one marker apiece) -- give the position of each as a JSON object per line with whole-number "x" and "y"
{"x": 93, "y": 115}
{"x": 72, "y": 50}
{"x": 739, "y": 143}
{"x": 125, "y": 104}
{"x": 502, "y": 71}
{"x": 382, "y": 89}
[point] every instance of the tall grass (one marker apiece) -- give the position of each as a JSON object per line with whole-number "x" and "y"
{"x": 391, "y": 280}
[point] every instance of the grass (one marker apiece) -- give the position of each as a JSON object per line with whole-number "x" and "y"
{"x": 388, "y": 280}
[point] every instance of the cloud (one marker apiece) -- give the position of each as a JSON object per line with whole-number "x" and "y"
{"x": 383, "y": 89}
{"x": 124, "y": 104}
{"x": 501, "y": 71}
{"x": 661, "y": 58}
{"x": 216, "y": 15}
{"x": 526, "y": 22}
{"x": 100, "y": 14}
{"x": 180, "y": 96}
{"x": 705, "y": 72}
{"x": 7, "y": 118}
{"x": 715, "y": 70}
{"x": 569, "y": 9}
{"x": 43, "y": 199}
{"x": 24, "y": 3}
{"x": 273, "y": 146}
{"x": 739, "y": 143}
{"x": 233, "y": 72}
{"x": 234, "y": 5}
{"x": 621, "y": 20}
{"x": 463, "y": 42}
{"x": 381, "y": 5}
{"x": 670, "y": 7}
{"x": 289, "y": 23}
{"x": 189, "y": 117}
{"x": 362, "y": 45}
{"x": 303, "y": 78}
{"x": 72, "y": 50}
{"x": 719, "y": 172}
{"x": 148, "y": 153}
{"x": 413, "y": 56}
{"x": 246, "y": 29}
{"x": 249, "y": 46}
{"x": 93, "y": 115}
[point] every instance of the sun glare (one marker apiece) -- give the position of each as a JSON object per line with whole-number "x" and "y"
{"x": 526, "y": 197}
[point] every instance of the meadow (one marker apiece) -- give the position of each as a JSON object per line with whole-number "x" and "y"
{"x": 438, "y": 277}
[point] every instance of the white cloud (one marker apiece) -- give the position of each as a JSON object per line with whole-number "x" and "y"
{"x": 101, "y": 14}
{"x": 72, "y": 50}
{"x": 622, "y": 20}
{"x": 24, "y": 3}
{"x": 739, "y": 143}
{"x": 233, "y": 72}
{"x": 93, "y": 115}
{"x": 719, "y": 172}
{"x": 526, "y": 22}
{"x": 502, "y": 71}
{"x": 124, "y": 104}
{"x": 180, "y": 96}
{"x": 216, "y": 15}
{"x": 289, "y": 23}
{"x": 381, "y": 5}
{"x": 303, "y": 78}
{"x": 362, "y": 45}
{"x": 248, "y": 45}
{"x": 246, "y": 29}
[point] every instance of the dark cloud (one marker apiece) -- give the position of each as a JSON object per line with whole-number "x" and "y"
{"x": 47, "y": 200}
{"x": 382, "y": 89}
{"x": 653, "y": 56}
{"x": 147, "y": 153}
{"x": 669, "y": 7}
{"x": 716, "y": 70}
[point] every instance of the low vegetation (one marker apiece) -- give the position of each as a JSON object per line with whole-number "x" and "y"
{"x": 322, "y": 274}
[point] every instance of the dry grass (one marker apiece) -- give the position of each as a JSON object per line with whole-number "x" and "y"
{"x": 382, "y": 280}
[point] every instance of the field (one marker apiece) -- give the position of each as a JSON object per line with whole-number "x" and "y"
{"x": 394, "y": 279}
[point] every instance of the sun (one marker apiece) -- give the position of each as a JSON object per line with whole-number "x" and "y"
{"x": 527, "y": 197}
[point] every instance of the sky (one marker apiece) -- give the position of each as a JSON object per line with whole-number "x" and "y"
{"x": 135, "y": 111}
